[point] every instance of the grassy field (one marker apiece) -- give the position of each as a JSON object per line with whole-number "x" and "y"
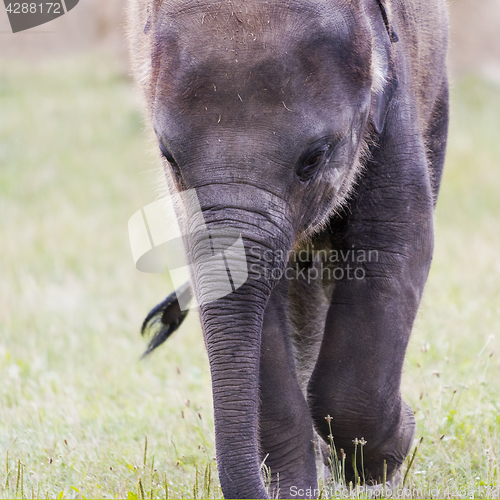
{"x": 76, "y": 402}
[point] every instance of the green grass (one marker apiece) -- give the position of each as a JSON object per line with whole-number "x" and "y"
{"x": 76, "y": 403}
{"x": 75, "y": 400}
{"x": 452, "y": 370}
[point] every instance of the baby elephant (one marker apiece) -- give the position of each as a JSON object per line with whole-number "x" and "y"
{"x": 315, "y": 132}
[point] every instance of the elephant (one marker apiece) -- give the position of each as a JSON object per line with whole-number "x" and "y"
{"x": 315, "y": 129}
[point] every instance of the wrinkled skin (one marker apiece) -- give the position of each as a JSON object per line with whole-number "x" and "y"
{"x": 304, "y": 122}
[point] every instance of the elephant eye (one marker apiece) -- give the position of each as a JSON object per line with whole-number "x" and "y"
{"x": 311, "y": 163}
{"x": 168, "y": 156}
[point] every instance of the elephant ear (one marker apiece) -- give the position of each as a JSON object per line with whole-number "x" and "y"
{"x": 384, "y": 77}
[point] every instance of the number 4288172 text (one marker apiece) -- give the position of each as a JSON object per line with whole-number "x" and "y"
{"x": 34, "y": 8}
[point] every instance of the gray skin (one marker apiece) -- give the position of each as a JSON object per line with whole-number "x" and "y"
{"x": 302, "y": 122}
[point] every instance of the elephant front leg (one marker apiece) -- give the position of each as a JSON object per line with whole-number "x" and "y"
{"x": 357, "y": 378}
{"x": 285, "y": 425}
{"x": 387, "y": 242}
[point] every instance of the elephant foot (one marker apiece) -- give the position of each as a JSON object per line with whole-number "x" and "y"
{"x": 396, "y": 450}
{"x": 382, "y": 463}
{"x": 369, "y": 451}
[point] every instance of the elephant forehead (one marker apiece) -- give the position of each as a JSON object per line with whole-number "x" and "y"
{"x": 264, "y": 44}
{"x": 260, "y": 64}
{"x": 250, "y": 19}
{"x": 312, "y": 78}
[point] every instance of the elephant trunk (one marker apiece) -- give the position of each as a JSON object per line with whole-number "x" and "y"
{"x": 232, "y": 326}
